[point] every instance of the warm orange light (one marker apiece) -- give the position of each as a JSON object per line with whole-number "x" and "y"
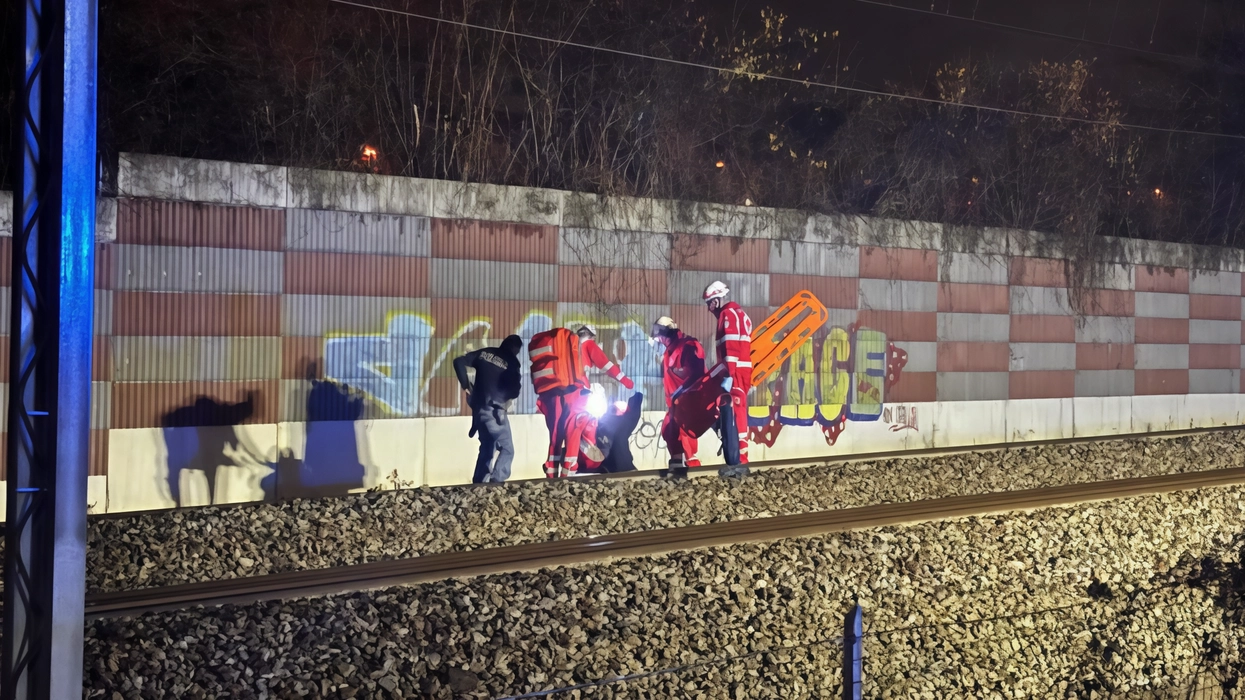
{"x": 720, "y": 164}
{"x": 369, "y": 153}
{"x": 1158, "y": 192}
{"x": 975, "y": 181}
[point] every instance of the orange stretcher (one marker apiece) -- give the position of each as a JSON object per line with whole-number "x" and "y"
{"x": 778, "y": 336}
{"x": 783, "y": 332}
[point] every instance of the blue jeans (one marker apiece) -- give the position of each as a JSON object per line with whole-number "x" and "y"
{"x": 494, "y": 429}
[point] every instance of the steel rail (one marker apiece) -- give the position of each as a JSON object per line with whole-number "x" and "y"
{"x": 529, "y": 557}
{"x": 785, "y": 463}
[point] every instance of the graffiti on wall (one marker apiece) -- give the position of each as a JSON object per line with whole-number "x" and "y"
{"x": 395, "y": 368}
{"x": 840, "y": 375}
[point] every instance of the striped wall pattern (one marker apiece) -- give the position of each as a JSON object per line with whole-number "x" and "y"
{"x": 233, "y": 301}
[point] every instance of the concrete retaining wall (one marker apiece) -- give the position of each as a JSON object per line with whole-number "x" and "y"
{"x": 222, "y": 281}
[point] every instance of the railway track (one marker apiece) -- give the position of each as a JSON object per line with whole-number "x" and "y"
{"x": 533, "y": 556}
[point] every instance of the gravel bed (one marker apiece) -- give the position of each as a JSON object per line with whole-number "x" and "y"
{"x": 1133, "y": 596}
{"x": 215, "y": 543}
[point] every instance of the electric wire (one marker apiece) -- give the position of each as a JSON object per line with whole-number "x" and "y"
{"x": 1039, "y": 32}
{"x": 798, "y": 81}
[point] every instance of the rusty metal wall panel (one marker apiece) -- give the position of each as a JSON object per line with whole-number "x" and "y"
{"x": 158, "y": 222}
{"x": 464, "y": 239}
{"x": 354, "y": 274}
{"x": 155, "y": 404}
{"x": 195, "y": 358}
{"x": 719, "y": 254}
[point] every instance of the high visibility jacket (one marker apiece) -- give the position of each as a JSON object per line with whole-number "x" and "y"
{"x": 734, "y": 344}
{"x": 594, "y": 356}
{"x": 682, "y": 364}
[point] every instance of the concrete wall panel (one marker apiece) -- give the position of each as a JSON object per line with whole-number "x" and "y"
{"x": 178, "y": 269}
{"x": 898, "y": 295}
{"x": 821, "y": 259}
{"x": 354, "y": 232}
{"x": 1031, "y": 357}
{"x": 1215, "y": 332}
{"x": 319, "y": 316}
{"x": 1161, "y": 356}
{"x": 1214, "y": 381}
{"x": 1105, "y": 329}
{"x": 629, "y": 249}
{"x": 1214, "y": 282}
{"x": 967, "y": 268}
{"x": 972, "y": 386}
{"x": 1117, "y": 382}
{"x": 491, "y": 279}
{"x": 1043, "y": 301}
{"x": 974, "y": 327}
{"x": 688, "y": 287}
{"x": 1162, "y": 305}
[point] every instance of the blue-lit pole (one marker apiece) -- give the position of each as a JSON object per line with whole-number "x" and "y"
{"x": 853, "y": 653}
{"x": 52, "y": 308}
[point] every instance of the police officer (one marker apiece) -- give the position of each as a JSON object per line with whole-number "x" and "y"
{"x": 497, "y": 381}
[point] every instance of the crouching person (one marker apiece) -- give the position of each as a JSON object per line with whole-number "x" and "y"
{"x": 497, "y": 381}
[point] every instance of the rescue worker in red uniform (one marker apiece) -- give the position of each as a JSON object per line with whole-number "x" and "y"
{"x": 594, "y": 356}
{"x": 562, "y": 412}
{"x": 734, "y": 357}
{"x": 683, "y": 364}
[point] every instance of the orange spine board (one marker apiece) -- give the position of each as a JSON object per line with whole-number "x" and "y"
{"x": 783, "y": 332}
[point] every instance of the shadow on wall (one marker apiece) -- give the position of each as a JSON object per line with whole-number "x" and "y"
{"x": 204, "y": 437}
{"x": 330, "y": 465}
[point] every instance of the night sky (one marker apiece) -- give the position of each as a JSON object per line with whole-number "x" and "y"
{"x": 890, "y": 44}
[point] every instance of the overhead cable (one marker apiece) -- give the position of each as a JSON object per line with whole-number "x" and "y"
{"x": 798, "y": 81}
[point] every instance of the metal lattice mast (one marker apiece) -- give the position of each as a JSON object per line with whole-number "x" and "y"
{"x": 52, "y": 304}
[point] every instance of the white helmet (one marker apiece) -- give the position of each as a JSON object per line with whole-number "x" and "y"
{"x": 586, "y": 329}
{"x": 717, "y": 290}
{"x": 663, "y": 325}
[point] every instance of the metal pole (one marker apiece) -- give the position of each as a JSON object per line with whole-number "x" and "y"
{"x": 853, "y": 653}
{"x": 52, "y": 307}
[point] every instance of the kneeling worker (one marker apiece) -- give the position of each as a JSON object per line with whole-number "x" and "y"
{"x": 683, "y": 364}
{"x": 496, "y": 384}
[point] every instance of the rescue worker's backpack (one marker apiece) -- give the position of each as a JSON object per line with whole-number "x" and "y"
{"x": 556, "y": 365}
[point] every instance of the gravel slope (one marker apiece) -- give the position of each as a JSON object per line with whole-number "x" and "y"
{"x": 1133, "y": 595}
{"x": 215, "y": 543}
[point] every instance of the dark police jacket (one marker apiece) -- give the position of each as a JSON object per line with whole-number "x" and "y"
{"x": 497, "y": 376}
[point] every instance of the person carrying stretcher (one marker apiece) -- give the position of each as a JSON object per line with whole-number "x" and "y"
{"x": 683, "y": 365}
{"x": 734, "y": 361}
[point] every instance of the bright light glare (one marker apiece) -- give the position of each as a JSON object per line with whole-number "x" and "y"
{"x": 620, "y": 406}
{"x": 596, "y": 404}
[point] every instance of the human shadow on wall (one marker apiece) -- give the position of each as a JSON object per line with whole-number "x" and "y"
{"x": 330, "y": 465}
{"x": 204, "y": 437}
